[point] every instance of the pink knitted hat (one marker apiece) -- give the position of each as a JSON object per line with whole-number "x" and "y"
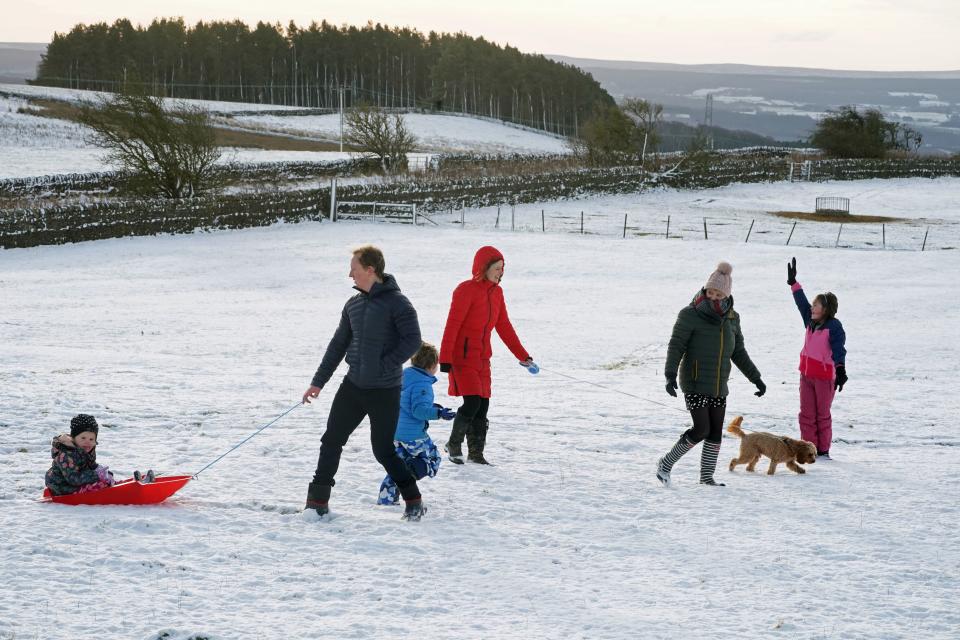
{"x": 721, "y": 280}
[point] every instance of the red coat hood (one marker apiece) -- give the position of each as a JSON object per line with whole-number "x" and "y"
{"x": 484, "y": 257}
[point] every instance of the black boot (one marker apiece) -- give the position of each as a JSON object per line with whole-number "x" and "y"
{"x": 454, "y": 446}
{"x": 318, "y": 497}
{"x": 415, "y": 509}
{"x": 477, "y": 440}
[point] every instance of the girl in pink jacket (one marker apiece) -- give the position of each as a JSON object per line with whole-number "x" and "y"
{"x": 823, "y": 369}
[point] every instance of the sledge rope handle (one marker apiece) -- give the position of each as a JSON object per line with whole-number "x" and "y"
{"x": 632, "y": 395}
{"x": 242, "y": 442}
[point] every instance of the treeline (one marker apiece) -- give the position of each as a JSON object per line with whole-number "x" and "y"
{"x": 313, "y": 67}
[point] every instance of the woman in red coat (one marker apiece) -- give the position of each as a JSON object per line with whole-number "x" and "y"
{"x": 476, "y": 310}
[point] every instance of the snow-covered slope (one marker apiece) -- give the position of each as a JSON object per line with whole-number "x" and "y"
{"x": 29, "y": 144}
{"x": 433, "y": 132}
{"x": 184, "y": 345}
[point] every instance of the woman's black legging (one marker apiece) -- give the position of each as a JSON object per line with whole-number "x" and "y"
{"x": 475, "y": 407}
{"x": 707, "y": 424}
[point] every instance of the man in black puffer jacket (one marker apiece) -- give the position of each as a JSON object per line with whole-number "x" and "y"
{"x": 378, "y": 332}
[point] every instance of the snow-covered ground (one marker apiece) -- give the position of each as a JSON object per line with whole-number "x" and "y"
{"x": 81, "y": 96}
{"x": 184, "y": 345}
{"x": 729, "y": 211}
{"x": 35, "y": 146}
{"x": 32, "y": 145}
{"x": 433, "y": 132}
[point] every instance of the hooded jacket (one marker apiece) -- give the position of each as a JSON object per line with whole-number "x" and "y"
{"x": 71, "y": 469}
{"x": 378, "y": 332}
{"x": 416, "y": 405}
{"x": 476, "y": 310}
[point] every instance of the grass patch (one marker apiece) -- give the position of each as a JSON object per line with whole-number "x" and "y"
{"x": 834, "y": 217}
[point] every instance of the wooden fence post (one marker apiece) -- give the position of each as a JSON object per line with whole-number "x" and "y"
{"x": 668, "y": 228}
{"x": 749, "y": 231}
{"x": 543, "y": 222}
{"x": 791, "y": 233}
{"x": 496, "y": 225}
{"x": 581, "y": 223}
{"x": 924, "y": 247}
{"x": 837, "y": 243}
{"x": 705, "y": 236}
{"x": 624, "y": 225}
{"x": 883, "y": 230}
{"x": 512, "y": 217}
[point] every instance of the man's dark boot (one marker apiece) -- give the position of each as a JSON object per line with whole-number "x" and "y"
{"x": 415, "y": 509}
{"x": 454, "y": 446}
{"x": 318, "y": 498}
{"x": 477, "y": 440}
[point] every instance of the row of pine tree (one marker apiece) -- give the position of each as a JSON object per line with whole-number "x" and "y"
{"x": 317, "y": 66}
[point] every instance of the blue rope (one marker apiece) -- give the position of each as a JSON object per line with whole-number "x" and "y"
{"x": 241, "y": 443}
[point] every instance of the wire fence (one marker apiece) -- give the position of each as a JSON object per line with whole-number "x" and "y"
{"x": 769, "y": 229}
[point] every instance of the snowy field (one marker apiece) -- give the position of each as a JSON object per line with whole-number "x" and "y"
{"x": 433, "y": 132}
{"x": 184, "y": 345}
{"x": 34, "y": 146}
{"x": 729, "y": 211}
{"x": 78, "y": 96}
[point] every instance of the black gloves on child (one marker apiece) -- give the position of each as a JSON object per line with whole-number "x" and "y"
{"x": 841, "y": 378}
{"x": 792, "y": 272}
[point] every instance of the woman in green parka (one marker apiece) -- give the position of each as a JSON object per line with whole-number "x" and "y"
{"x": 706, "y": 339}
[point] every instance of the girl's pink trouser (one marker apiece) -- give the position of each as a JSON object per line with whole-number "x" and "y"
{"x": 816, "y": 425}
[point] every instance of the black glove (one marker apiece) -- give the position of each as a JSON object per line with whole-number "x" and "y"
{"x": 761, "y": 389}
{"x": 445, "y": 367}
{"x": 841, "y": 378}
{"x": 672, "y": 385}
{"x": 792, "y": 272}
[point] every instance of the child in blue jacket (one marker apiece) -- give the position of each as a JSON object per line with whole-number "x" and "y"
{"x": 417, "y": 408}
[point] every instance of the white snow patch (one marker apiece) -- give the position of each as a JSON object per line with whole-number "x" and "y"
{"x": 183, "y": 345}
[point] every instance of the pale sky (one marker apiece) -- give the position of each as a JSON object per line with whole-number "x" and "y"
{"x": 877, "y": 35}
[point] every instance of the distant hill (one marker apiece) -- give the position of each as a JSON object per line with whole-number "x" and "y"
{"x": 785, "y": 102}
{"x": 19, "y": 60}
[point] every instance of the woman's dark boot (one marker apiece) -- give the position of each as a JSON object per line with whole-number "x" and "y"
{"x": 477, "y": 440}
{"x": 454, "y": 446}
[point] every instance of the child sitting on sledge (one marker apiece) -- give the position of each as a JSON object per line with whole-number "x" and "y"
{"x": 417, "y": 407}
{"x": 75, "y": 468}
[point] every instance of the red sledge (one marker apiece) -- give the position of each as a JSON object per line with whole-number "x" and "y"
{"x": 125, "y": 492}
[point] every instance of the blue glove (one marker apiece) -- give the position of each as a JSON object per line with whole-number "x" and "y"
{"x": 446, "y": 414}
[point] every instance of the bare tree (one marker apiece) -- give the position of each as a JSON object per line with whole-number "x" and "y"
{"x": 170, "y": 153}
{"x": 374, "y": 131}
{"x": 648, "y": 116}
